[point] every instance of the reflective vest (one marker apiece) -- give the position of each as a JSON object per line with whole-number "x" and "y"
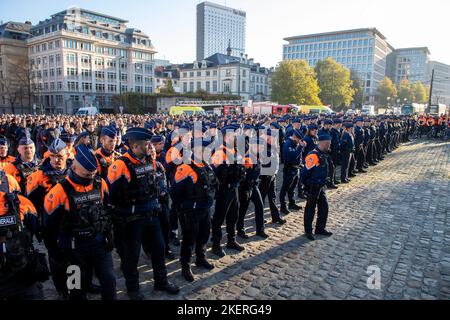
{"x": 86, "y": 217}
{"x": 15, "y": 241}
{"x": 143, "y": 186}
{"x": 204, "y": 189}
{"x": 421, "y": 121}
{"x": 24, "y": 172}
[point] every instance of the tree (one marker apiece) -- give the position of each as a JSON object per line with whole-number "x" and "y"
{"x": 358, "y": 88}
{"x": 295, "y": 82}
{"x": 17, "y": 85}
{"x": 168, "y": 88}
{"x": 419, "y": 92}
{"x": 405, "y": 94}
{"x": 334, "y": 82}
{"x": 386, "y": 89}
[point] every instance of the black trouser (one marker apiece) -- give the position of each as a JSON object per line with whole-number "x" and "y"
{"x": 267, "y": 189}
{"x": 131, "y": 237}
{"x": 173, "y": 217}
{"x": 360, "y": 157}
{"x": 346, "y": 157}
{"x": 58, "y": 264}
{"x": 336, "y": 157}
{"x": 164, "y": 220}
{"x": 99, "y": 257}
{"x": 316, "y": 198}
{"x": 290, "y": 182}
{"x": 331, "y": 169}
{"x": 244, "y": 202}
{"x": 370, "y": 153}
{"x": 227, "y": 208}
{"x": 379, "y": 149}
{"x": 196, "y": 226}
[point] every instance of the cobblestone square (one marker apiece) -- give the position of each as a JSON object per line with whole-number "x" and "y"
{"x": 395, "y": 217}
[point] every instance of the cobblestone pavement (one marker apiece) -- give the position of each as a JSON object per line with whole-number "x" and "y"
{"x": 396, "y": 217}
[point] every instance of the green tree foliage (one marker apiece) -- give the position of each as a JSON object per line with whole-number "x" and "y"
{"x": 386, "y": 89}
{"x": 358, "y": 88}
{"x": 334, "y": 82}
{"x": 295, "y": 82}
{"x": 419, "y": 92}
{"x": 405, "y": 92}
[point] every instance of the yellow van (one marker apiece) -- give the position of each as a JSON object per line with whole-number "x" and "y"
{"x": 189, "y": 111}
{"x": 314, "y": 109}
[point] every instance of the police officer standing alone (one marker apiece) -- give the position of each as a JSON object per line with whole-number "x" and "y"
{"x": 315, "y": 178}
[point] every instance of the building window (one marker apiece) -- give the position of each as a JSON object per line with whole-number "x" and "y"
{"x": 185, "y": 87}
{"x": 214, "y": 86}
{"x": 138, "y": 78}
{"x": 191, "y": 87}
{"x": 208, "y": 86}
{"x": 244, "y": 86}
{"x": 87, "y": 86}
{"x": 199, "y": 85}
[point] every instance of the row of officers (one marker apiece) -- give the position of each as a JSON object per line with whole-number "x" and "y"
{"x": 82, "y": 203}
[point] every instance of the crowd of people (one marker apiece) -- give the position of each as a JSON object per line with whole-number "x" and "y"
{"x": 87, "y": 185}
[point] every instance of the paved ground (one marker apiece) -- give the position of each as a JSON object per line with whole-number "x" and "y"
{"x": 396, "y": 217}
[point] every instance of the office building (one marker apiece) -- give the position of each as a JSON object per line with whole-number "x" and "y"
{"x": 81, "y": 58}
{"x": 217, "y": 27}
{"x": 364, "y": 51}
{"x": 409, "y": 64}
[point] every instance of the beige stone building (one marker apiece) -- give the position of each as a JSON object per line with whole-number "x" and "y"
{"x": 14, "y": 71}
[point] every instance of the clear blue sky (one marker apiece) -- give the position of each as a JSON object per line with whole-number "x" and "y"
{"x": 171, "y": 24}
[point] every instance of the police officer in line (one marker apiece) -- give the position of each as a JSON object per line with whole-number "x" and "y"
{"x": 249, "y": 191}
{"x": 77, "y": 226}
{"x": 164, "y": 200}
{"x": 4, "y": 157}
{"x": 194, "y": 187}
{"x": 53, "y": 171}
{"x": 360, "y": 138}
{"x": 326, "y": 130}
{"x": 292, "y": 154}
{"x": 22, "y": 268}
{"x": 134, "y": 197}
{"x": 335, "y": 133}
{"x": 25, "y": 164}
{"x": 106, "y": 154}
{"x": 315, "y": 178}
{"x": 269, "y": 171}
{"x": 347, "y": 148}
{"x": 229, "y": 173}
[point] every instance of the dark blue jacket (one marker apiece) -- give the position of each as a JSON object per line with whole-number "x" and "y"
{"x": 347, "y": 143}
{"x": 292, "y": 153}
{"x": 315, "y": 172}
{"x": 335, "y": 139}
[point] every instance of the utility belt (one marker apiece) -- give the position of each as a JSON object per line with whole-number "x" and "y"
{"x": 293, "y": 166}
{"x": 119, "y": 219}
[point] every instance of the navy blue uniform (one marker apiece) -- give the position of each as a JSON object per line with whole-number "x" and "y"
{"x": 347, "y": 149}
{"x": 292, "y": 153}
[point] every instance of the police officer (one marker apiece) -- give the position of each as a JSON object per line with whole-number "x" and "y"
{"x": 360, "y": 138}
{"x": 25, "y": 164}
{"x": 77, "y": 225}
{"x": 347, "y": 151}
{"x": 106, "y": 154}
{"x": 4, "y": 157}
{"x": 134, "y": 195}
{"x": 249, "y": 191}
{"x": 229, "y": 174}
{"x": 292, "y": 154}
{"x": 314, "y": 178}
{"x": 326, "y": 130}
{"x": 335, "y": 133}
{"x": 22, "y": 268}
{"x": 194, "y": 187}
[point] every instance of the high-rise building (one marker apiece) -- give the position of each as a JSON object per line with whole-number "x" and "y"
{"x": 81, "y": 58}
{"x": 14, "y": 73}
{"x": 364, "y": 51}
{"x": 441, "y": 83}
{"x": 409, "y": 64}
{"x": 217, "y": 28}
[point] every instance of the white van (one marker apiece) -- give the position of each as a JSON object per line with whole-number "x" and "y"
{"x": 368, "y": 110}
{"x": 87, "y": 111}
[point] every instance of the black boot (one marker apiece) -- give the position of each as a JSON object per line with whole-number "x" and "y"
{"x": 294, "y": 206}
{"x": 186, "y": 272}
{"x": 167, "y": 287}
{"x": 218, "y": 251}
{"x": 235, "y": 246}
{"x": 203, "y": 263}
